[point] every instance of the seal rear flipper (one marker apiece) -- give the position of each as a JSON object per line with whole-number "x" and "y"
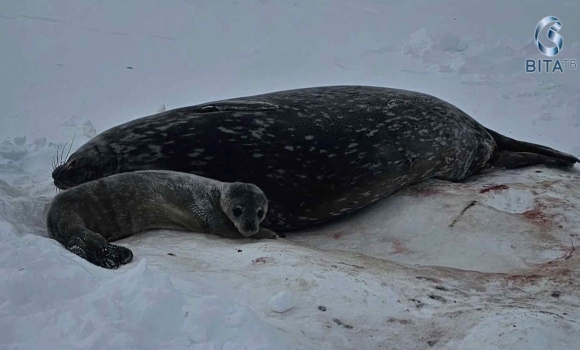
{"x": 526, "y": 150}
{"x": 511, "y": 160}
{"x": 234, "y": 106}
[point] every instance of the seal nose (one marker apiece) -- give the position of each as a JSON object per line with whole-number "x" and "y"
{"x": 250, "y": 225}
{"x": 56, "y": 176}
{"x": 56, "y": 172}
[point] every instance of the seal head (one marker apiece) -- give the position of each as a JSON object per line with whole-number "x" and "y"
{"x": 81, "y": 168}
{"x": 245, "y": 205}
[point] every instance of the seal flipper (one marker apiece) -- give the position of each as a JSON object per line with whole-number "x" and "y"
{"x": 95, "y": 249}
{"x": 515, "y": 154}
{"x": 511, "y": 160}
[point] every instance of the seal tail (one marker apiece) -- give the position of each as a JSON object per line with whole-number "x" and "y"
{"x": 516, "y": 154}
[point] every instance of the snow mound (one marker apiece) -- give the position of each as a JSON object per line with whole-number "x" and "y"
{"x": 499, "y": 222}
{"x": 52, "y": 299}
{"x": 281, "y": 302}
{"x": 353, "y": 283}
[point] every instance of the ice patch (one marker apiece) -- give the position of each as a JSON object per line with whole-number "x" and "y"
{"x": 512, "y": 200}
{"x": 19, "y": 141}
{"x": 281, "y": 302}
{"x": 517, "y": 329}
{"x": 71, "y": 121}
{"x": 419, "y": 42}
{"x": 89, "y": 129}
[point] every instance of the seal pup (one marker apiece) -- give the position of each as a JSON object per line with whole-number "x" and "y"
{"x": 317, "y": 153}
{"x": 87, "y": 217}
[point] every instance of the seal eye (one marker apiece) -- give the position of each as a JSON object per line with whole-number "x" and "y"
{"x": 260, "y": 213}
{"x": 237, "y": 212}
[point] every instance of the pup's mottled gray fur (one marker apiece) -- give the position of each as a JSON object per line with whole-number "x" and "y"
{"x": 85, "y": 218}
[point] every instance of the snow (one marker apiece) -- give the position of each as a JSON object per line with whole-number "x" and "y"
{"x": 489, "y": 263}
{"x": 53, "y": 300}
{"x": 281, "y": 302}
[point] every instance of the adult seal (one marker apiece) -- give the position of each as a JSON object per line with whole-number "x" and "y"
{"x": 85, "y": 218}
{"x": 317, "y": 153}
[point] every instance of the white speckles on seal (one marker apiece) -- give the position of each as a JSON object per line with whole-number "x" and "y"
{"x": 257, "y": 133}
{"x": 227, "y": 131}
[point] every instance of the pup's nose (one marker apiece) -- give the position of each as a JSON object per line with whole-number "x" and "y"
{"x": 251, "y": 225}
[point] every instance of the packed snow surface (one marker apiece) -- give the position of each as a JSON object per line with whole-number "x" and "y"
{"x": 489, "y": 263}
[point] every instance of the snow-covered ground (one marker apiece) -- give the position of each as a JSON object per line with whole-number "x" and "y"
{"x": 486, "y": 264}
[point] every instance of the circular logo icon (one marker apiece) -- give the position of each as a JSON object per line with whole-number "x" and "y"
{"x": 552, "y": 35}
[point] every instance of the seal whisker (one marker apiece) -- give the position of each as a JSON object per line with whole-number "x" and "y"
{"x": 71, "y": 144}
{"x": 55, "y": 159}
{"x": 62, "y": 153}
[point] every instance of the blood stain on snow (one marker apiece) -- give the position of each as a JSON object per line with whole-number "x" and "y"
{"x": 524, "y": 278}
{"x": 538, "y": 215}
{"x": 399, "y": 247}
{"x": 494, "y": 188}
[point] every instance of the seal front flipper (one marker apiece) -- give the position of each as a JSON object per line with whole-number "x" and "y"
{"x": 234, "y": 106}
{"x": 95, "y": 249}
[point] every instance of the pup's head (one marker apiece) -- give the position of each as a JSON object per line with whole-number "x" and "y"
{"x": 245, "y": 205}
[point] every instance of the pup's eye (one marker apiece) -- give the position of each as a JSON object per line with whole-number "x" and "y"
{"x": 237, "y": 212}
{"x": 260, "y": 213}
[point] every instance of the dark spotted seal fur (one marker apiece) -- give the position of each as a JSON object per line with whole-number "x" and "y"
{"x": 317, "y": 153}
{"x": 85, "y": 218}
